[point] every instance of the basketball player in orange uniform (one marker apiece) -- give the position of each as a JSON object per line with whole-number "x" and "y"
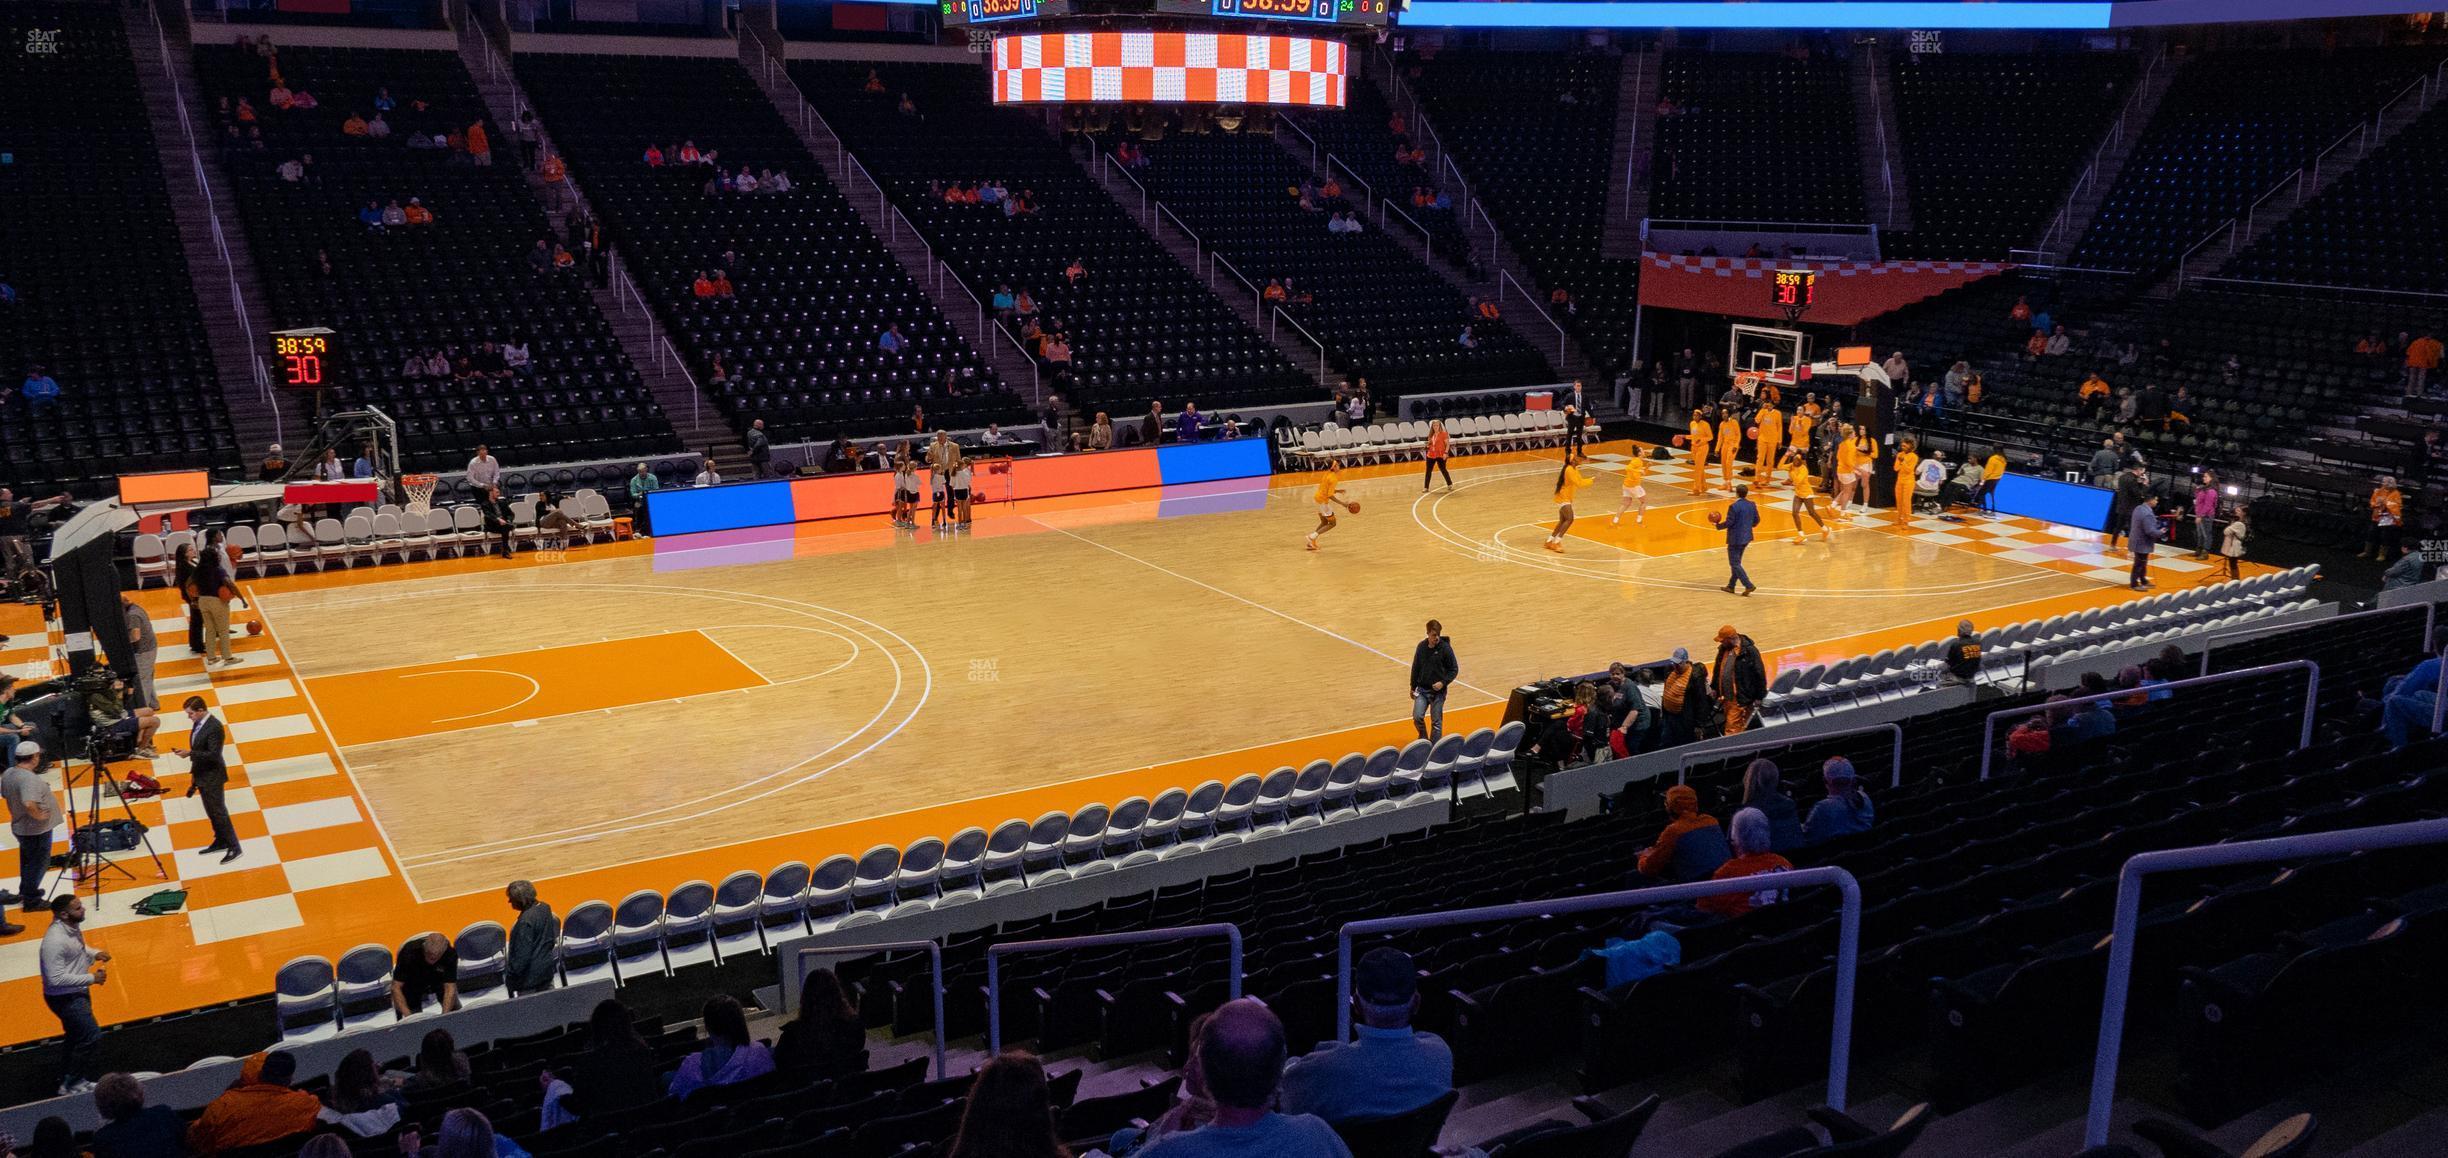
{"x": 1805, "y": 419}
{"x": 1848, "y": 461}
{"x": 1729, "y": 440}
{"x": 1907, "y": 460}
{"x": 1635, "y": 490}
{"x": 1569, "y": 481}
{"x": 1329, "y": 492}
{"x": 1771, "y": 426}
{"x": 1805, "y": 500}
{"x": 1700, "y": 433}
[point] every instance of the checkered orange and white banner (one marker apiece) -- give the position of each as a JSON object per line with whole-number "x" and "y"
{"x": 1205, "y": 67}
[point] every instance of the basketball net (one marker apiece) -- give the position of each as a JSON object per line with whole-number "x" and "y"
{"x": 419, "y": 491}
{"x": 1747, "y": 382}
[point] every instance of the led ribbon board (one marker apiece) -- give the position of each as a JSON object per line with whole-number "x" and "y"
{"x": 1184, "y": 67}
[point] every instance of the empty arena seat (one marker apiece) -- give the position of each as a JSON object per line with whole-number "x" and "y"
{"x": 586, "y": 943}
{"x": 307, "y": 996}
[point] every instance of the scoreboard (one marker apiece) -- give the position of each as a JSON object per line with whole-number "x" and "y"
{"x": 1793, "y": 289}
{"x": 305, "y": 359}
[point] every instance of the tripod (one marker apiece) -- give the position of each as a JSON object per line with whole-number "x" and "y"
{"x": 88, "y": 861}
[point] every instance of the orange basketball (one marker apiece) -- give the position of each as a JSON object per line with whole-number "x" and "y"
{"x": 1352, "y": 506}
{"x": 1682, "y": 440}
{"x": 1716, "y": 518}
{"x": 254, "y": 627}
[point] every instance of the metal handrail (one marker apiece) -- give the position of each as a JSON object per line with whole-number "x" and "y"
{"x": 995, "y": 954}
{"x": 1480, "y": 209}
{"x": 1368, "y": 192}
{"x": 1640, "y": 73}
{"x": 2099, "y": 156}
{"x": 1427, "y": 239}
{"x": 2247, "y": 281}
{"x": 2209, "y": 641}
{"x": 1198, "y": 248}
{"x": 1136, "y": 182}
{"x": 1258, "y": 312}
{"x": 212, "y": 211}
{"x": 900, "y": 221}
{"x": 2311, "y": 701}
{"x": 973, "y": 299}
{"x": 1504, "y": 277}
{"x": 934, "y": 954}
{"x": 1862, "y": 227}
{"x": 1768, "y": 740}
{"x": 1848, "y": 941}
{"x": 1281, "y": 316}
{"x": 853, "y": 167}
{"x": 1036, "y": 375}
{"x": 1287, "y": 122}
{"x": 2129, "y": 915}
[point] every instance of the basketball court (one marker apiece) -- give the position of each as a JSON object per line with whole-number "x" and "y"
{"x": 636, "y": 715}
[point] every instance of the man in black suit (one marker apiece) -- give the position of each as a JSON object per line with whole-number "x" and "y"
{"x": 208, "y": 775}
{"x": 532, "y": 960}
{"x": 498, "y": 518}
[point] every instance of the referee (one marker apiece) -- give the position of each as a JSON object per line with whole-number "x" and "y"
{"x": 1433, "y": 669}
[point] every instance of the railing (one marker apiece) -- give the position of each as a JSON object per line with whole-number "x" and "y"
{"x": 1127, "y": 175}
{"x": 2129, "y": 914}
{"x": 1368, "y": 193}
{"x": 1504, "y": 278}
{"x": 935, "y": 967}
{"x": 212, "y": 213}
{"x": 996, "y": 953}
{"x": 1848, "y": 941}
{"x": 1258, "y": 311}
{"x": 1198, "y": 248}
{"x": 2310, "y": 706}
{"x": 2307, "y": 176}
{"x": 973, "y": 299}
{"x": 810, "y": 121}
{"x": 1640, "y": 73}
{"x": 2099, "y": 156}
{"x": 2256, "y": 283}
{"x": 1870, "y": 66}
{"x": 1479, "y": 210}
{"x": 852, "y": 166}
{"x": 1427, "y": 240}
{"x": 1036, "y": 376}
{"x": 1280, "y": 317}
{"x": 897, "y": 222}
{"x": 1286, "y": 122}
{"x": 2210, "y": 641}
{"x": 1768, "y": 741}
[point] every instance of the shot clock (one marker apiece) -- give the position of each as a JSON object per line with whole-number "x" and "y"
{"x": 1793, "y": 289}
{"x": 305, "y": 359}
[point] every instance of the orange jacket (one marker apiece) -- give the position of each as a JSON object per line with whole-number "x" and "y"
{"x": 249, "y": 1114}
{"x": 1683, "y": 805}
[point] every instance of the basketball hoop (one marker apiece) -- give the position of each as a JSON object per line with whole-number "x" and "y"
{"x": 419, "y": 491}
{"x": 1747, "y": 382}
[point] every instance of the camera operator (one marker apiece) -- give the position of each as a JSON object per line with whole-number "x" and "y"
{"x": 17, "y": 529}
{"x": 118, "y": 731}
{"x": 13, "y": 728}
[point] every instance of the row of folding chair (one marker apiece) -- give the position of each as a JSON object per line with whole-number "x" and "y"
{"x": 1397, "y": 441}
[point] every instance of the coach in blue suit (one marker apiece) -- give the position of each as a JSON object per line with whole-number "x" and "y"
{"x": 1741, "y": 518}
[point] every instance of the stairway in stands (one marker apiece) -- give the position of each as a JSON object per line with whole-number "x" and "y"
{"x": 2090, "y": 188}
{"x": 761, "y": 53}
{"x": 1636, "y": 98}
{"x": 159, "y": 41}
{"x": 1882, "y": 146}
{"x": 699, "y": 423}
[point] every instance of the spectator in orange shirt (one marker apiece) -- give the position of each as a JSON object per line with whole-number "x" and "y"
{"x": 2387, "y": 534}
{"x": 1485, "y": 309}
{"x": 479, "y": 143}
{"x": 2422, "y": 359}
{"x": 1751, "y": 858}
{"x": 1274, "y": 290}
{"x": 1690, "y": 847}
{"x": 722, "y": 284}
{"x": 417, "y": 213}
{"x": 1076, "y": 270}
{"x": 261, "y": 1107}
{"x": 703, "y": 287}
{"x": 354, "y": 126}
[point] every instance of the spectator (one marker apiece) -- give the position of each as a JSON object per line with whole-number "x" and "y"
{"x": 1466, "y": 340}
{"x": 2105, "y": 463}
{"x": 1683, "y": 699}
{"x": 891, "y": 341}
{"x": 1690, "y": 847}
{"x": 729, "y": 1055}
{"x": 479, "y": 144}
{"x": 531, "y": 963}
{"x": 259, "y": 1107}
{"x": 654, "y": 155}
{"x": 642, "y": 482}
{"x": 1741, "y": 678}
{"x": 393, "y": 215}
{"x": 539, "y": 256}
{"x": 2145, "y": 531}
{"x": 292, "y": 170}
{"x": 2091, "y": 395}
{"x": 1844, "y": 811}
{"x": 515, "y": 356}
{"x": 618, "y": 1070}
{"x": 417, "y": 213}
{"x": 703, "y": 287}
{"x": 355, "y": 125}
{"x": 2081, "y": 725}
{"x": 130, "y": 1128}
{"x": 826, "y": 1040}
{"x": 1764, "y": 792}
{"x": 2382, "y": 541}
{"x": 359, "y": 1102}
{"x": 1076, "y": 270}
{"x": 40, "y": 390}
{"x": 1390, "y": 1068}
{"x": 1241, "y": 1057}
{"x": 1963, "y": 654}
{"x": 2205, "y": 513}
{"x": 722, "y": 284}
{"x": 1009, "y": 1114}
{"x": 428, "y": 969}
{"x": 379, "y": 127}
{"x": 465, "y": 1133}
{"x": 439, "y": 1065}
{"x": 2408, "y": 701}
{"x": 1753, "y": 856}
{"x": 2028, "y": 744}
{"x": 2422, "y": 360}
{"x": 1057, "y": 349}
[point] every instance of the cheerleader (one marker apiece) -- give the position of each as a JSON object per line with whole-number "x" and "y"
{"x": 905, "y": 490}
{"x": 1865, "y": 466}
{"x": 960, "y": 490}
{"x": 1843, "y": 478}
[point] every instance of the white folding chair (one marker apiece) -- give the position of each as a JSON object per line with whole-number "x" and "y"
{"x": 388, "y": 538}
{"x": 272, "y": 546}
{"x": 152, "y": 561}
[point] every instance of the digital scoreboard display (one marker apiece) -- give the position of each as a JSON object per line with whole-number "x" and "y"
{"x": 1793, "y": 289}
{"x": 305, "y": 359}
{"x": 1304, "y": 11}
{"x": 990, "y": 11}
